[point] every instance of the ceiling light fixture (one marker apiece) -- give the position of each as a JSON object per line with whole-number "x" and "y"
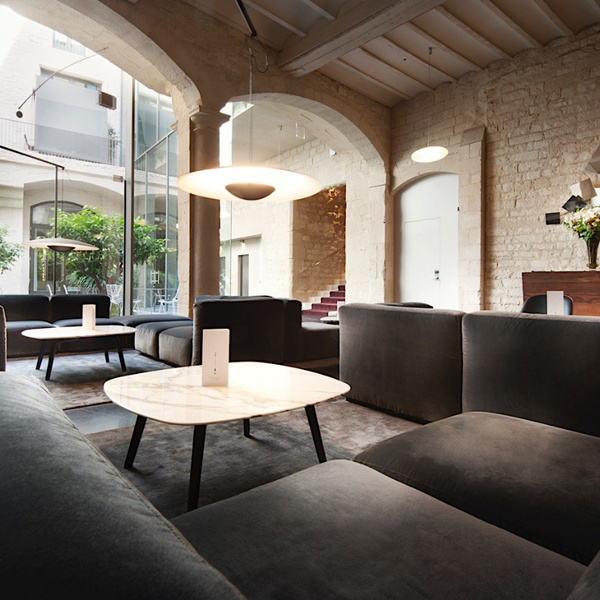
{"x": 57, "y": 244}
{"x": 429, "y": 153}
{"x": 250, "y": 183}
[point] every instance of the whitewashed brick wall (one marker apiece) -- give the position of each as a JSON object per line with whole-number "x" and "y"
{"x": 542, "y": 124}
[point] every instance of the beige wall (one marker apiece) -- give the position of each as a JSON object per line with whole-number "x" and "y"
{"x": 522, "y": 132}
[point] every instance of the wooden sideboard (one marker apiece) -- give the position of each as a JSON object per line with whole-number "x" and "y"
{"x": 582, "y": 286}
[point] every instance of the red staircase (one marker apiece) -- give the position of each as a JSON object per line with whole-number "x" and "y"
{"x": 325, "y": 305}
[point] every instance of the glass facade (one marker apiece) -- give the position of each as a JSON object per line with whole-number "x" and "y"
{"x": 70, "y": 123}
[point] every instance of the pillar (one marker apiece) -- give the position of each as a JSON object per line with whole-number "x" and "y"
{"x": 199, "y": 217}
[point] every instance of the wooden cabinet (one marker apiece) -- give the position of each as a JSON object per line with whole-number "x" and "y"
{"x": 582, "y": 286}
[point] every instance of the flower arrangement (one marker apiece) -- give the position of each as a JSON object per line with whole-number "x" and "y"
{"x": 585, "y": 222}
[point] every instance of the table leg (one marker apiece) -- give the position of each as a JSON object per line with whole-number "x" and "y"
{"x": 41, "y": 356}
{"x": 247, "y": 427}
{"x": 196, "y": 469}
{"x": 140, "y": 423}
{"x": 311, "y": 414}
{"x": 51, "y": 354}
{"x": 120, "y": 352}
{"x": 106, "y": 357}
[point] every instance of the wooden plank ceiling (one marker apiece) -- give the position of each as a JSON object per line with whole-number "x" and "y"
{"x": 381, "y": 47}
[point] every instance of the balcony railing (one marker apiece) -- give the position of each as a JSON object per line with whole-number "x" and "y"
{"x": 58, "y": 142}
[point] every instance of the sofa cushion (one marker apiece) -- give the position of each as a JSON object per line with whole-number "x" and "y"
{"x": 135, "y": 320}
{"x": 25, "y": 307}
{"x": 255, "y": 324}
{"x": 407, "y": 361}
{"x": 342, "y": 530}
{"x": 147, "y": 335}
{"x": 72, "y": 526}
{"x": 320, "y": 340}
{"x": 523, "y": 365}
{"x": 175, "y": 346}
{"x": 19, "y": 345}
{"x": 588, "y": 587}
{"x": 70, "y": 306}
{"x": 535, "y": 480}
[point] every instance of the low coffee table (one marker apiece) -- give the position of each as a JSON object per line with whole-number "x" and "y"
{"x": 51, "y": 336}
{"x": 177, "y": 396}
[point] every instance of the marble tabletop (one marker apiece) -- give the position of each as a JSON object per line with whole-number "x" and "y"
{"x": 64, "y": 333}
{"x": 177, "y": 395}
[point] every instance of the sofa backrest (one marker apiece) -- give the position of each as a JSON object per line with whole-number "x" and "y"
{"x": 72, "y": 526}
{"x": 69, "y": 306}
{"x": 538, "y": 367}
{"x": 25, "y": 307}
{"x": 404, "y": 360}
{"x": 256, "y": 327}
{"x": 2, "y": 340}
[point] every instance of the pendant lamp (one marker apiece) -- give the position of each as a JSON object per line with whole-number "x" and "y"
{"x": 429, "y": 153}
{"x": 250, "y": 183}
{"x": 57, "y": 244}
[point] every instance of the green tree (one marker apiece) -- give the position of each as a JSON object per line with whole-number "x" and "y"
{"x": 9, "y": 251}
{"x": 105, "y": 265}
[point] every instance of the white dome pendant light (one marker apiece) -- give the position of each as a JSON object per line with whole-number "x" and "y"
{"x": 250, "y": 183}
{"x": 429, "y": 153}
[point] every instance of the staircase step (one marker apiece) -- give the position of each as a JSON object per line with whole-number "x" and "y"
{"x": 338, "y": 294}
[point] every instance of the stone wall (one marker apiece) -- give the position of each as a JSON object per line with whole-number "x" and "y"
{"x": 319, "y": 242}
{"x": 541, "y": 113}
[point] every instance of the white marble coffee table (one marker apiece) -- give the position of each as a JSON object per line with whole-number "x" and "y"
{"x": 177, "y": 396}
{"x": 51, "y": 336}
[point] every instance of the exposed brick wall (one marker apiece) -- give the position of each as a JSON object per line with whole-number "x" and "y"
{"x": 541, "y": 116}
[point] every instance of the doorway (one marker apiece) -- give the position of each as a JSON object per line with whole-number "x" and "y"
{"x": 426, "y": 242}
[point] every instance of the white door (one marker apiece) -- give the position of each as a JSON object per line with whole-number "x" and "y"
{"x": 427, "y": 242}
{"x": 420, "y": 275}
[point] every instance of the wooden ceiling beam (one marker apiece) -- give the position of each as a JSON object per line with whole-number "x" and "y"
{"x": 359, "y": 25}
{"x": 468, "y": 30}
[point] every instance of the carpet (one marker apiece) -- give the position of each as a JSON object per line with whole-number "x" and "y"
{"x": 280, "y": 445}
{"x": 77, "y": 380}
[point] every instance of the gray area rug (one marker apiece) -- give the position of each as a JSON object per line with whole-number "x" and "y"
{"x": 77, "y": 380}
{"x": 280, "y": 445}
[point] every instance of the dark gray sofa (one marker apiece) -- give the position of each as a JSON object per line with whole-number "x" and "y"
{"x": 33, "y": 311}
{"x": 406, "y": 360}
{"x": 261, "y": 328}
{"x": 525, "y": 453}
{"x": 73, "y": 527}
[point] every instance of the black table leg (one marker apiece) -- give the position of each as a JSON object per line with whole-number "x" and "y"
{"x": 41, "y": 356}
{"x": 51, "y": 354}
{"x": 120, "y": 352}
{"x": 311, "y": 414}
{"x": 106, "y": 357}
{"x": 196, "y": 469}
{"x": 140, "y": 423}
{"x": 247, "y": 427}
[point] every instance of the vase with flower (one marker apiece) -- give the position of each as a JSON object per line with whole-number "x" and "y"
{"x": 585, "y": 223}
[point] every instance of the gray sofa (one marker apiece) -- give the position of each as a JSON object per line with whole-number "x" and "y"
{"x": 405, "y": 360}
{"x": 525, "y": 452}
{"x": 73, "y": 527}
{"x": 261, "y": 328}
{"x": 33, "y": 311}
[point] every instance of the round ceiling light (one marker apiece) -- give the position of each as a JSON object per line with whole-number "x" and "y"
{"x": 429, "y": 154}
{"x": 264, "y": 184}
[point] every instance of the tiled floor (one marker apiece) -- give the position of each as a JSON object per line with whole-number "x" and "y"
{"x": 92, "y": 419}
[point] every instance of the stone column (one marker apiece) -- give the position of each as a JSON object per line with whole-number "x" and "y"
{"x": 199, "y": 217}
{"x": 471, "y": 220}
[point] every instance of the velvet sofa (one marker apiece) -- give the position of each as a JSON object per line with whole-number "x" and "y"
{"x": 405, "y": 360}
{"x": 524, "y": 453}
{"x": 33, "y": 311}
{"x": 73, "y": 527}
{"x": 261, "y": 328}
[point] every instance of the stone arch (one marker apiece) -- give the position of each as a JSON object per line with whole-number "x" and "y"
{"x": 96, "y": 26}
